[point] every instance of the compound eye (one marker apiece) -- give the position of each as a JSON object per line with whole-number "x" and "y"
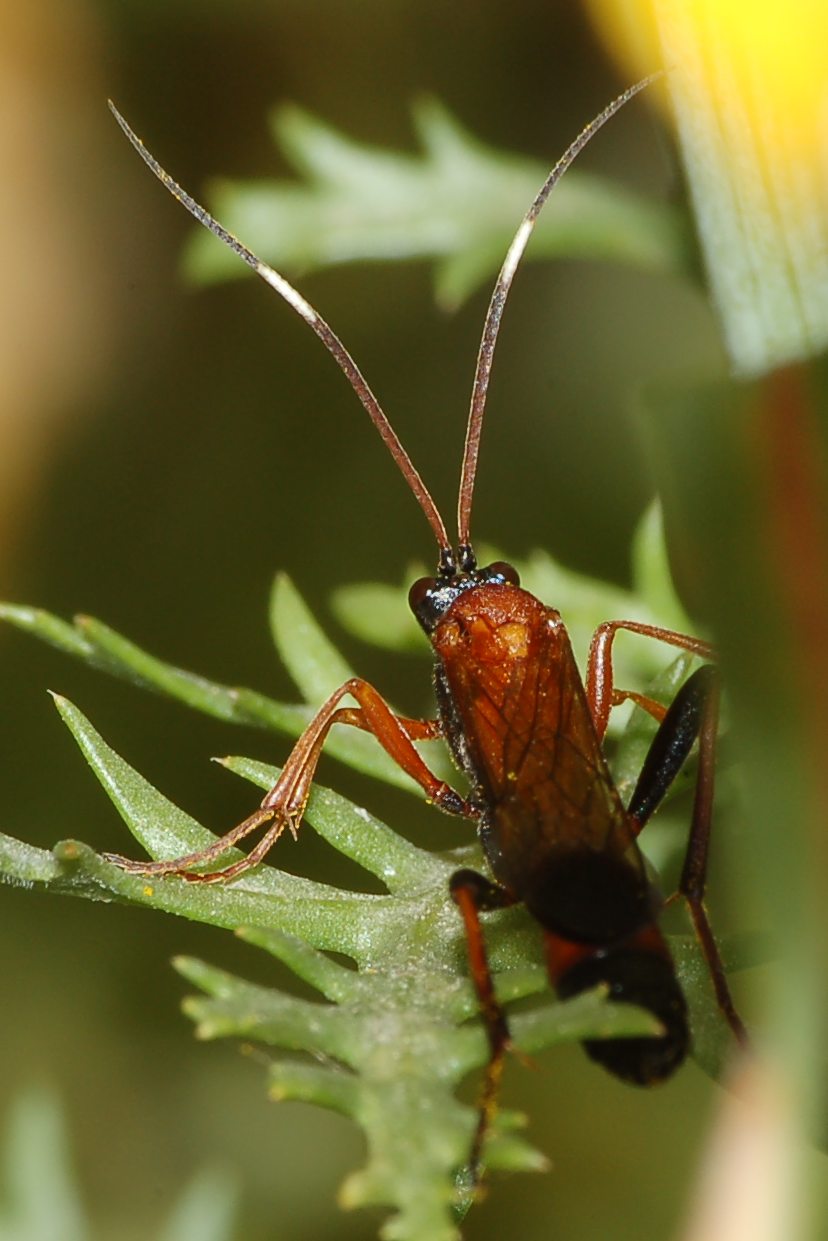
{"x": 501, "y": 568}
{"x": 419, "y": 592}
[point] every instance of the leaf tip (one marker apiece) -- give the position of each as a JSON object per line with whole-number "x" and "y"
{"x": 356, "y": 1191}
{"x": 68, "y": 851}
{"x": 183, "y": 965}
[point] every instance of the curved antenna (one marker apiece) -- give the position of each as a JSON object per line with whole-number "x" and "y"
{"x": 495, "y": 312}
{"x": 328, "y": 337}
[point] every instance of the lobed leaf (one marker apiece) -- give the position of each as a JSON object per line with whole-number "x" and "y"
{"x": 399, "y": 1032}
{"x": 458, "y": 204}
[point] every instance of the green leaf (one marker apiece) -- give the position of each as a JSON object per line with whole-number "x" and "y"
{"x": 318, "y": 669}
{"x": 377, "y": 613}
{"x": 354, "y": 832}
{"x": 310, "y": 658}
{"x": 206, "y": 1209}
{"x": 24, "y": 864}
{"x": 313, "y": 662}
{"x": 712, "y": 1037}
{"x": 41, "y": 1201}
{"x": 457, "y": 204}
{"x": 652, "y": 579}
{"x": 51, "y": 629}
{"x": 399, "y": 1030}
{"x": 101, "y": 647}
{"x": 397, "y": 1062}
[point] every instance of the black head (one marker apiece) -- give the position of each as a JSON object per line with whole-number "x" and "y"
{"x": 431, "y": 597}
{"x": 648, "y": 980}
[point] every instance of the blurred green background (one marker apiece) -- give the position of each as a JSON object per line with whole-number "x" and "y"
{"x": 165, "y": 451}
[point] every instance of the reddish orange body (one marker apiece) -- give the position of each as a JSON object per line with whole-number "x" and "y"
{"x": 556, "y": 835}
{"x": 528, "y": 739}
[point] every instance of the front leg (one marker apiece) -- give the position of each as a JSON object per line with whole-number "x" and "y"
{"x": 284, "y": 805}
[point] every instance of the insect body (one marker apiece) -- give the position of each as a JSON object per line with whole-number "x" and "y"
{"x": 553, "y": 828}
{"x": 528, "y": 734}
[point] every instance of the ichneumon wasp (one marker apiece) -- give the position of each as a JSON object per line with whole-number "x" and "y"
{"x": 527, "y": 732}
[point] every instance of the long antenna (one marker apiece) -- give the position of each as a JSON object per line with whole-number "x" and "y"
{"x": 495, "y": 312}
{"x": 328, "y": 337}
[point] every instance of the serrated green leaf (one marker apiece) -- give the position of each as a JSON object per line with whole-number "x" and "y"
{"x": 404, "y": 1059}
{"x": 458, "y": 203}
{"x": 399, "y": 1023}
{"x": 331, "y": 1088}
{"x": 315, "y": 664}
{"x": 405, "y": 1022}
{"x": 357, "y": 834}
{"x": 101, "y": 647}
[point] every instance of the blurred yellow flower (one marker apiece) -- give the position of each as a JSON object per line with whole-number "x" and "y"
{"x": 775, "y": 55}
{"x": 748, "y": 81}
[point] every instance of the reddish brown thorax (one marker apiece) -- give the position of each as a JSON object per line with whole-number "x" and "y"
{"x": 528, "y": 739}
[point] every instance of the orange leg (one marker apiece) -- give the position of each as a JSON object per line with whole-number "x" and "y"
{"x": 472, "y": 893}
{"x": 601, "y": 692}
{"x": 284, "y": 805}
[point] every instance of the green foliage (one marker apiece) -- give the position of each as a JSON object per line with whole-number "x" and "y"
{"x": 398, "y": 1031}
{"x": 42, "y": 1201}
{"x": 457, "y": 204}
{"x": 377, "y": 613}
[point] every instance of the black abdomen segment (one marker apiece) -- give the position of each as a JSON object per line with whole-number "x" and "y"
{"x": 591, "y": 898}
{"x": 644, "y": 977}
{"x": 599, "y": 917}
